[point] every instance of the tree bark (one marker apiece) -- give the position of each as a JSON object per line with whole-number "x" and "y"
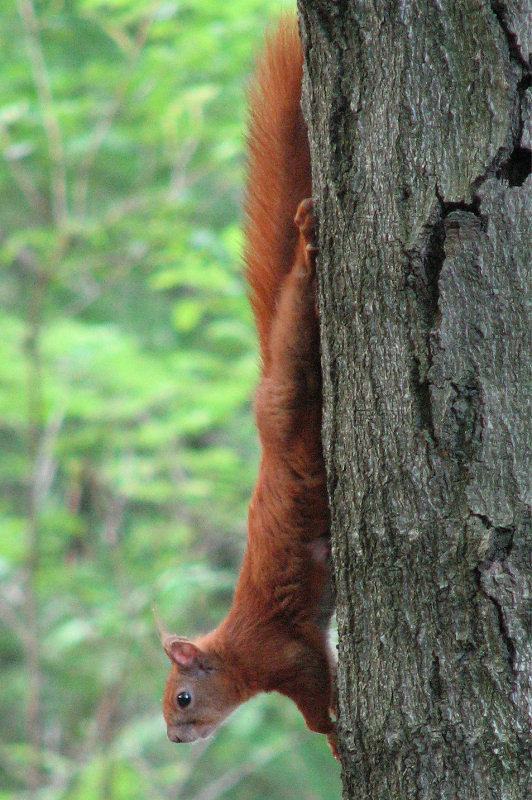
{"x": 419, "y": 120}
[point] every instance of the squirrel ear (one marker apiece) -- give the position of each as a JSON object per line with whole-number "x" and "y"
{"x": 185, "y": 654}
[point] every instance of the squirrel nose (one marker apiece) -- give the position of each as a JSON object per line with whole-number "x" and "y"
{"x": 174, "y": 738}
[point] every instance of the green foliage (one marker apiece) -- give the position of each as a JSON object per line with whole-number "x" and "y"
{"x": 128, "y": 451}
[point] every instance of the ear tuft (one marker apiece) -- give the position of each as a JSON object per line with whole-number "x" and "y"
{"x": 158, "y": 623}
{"x": 185, "y": 654}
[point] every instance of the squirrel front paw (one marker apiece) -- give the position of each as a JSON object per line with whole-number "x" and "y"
{"x": 332, "y": 739}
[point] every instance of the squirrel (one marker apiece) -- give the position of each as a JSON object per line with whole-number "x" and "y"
{"x": 275, "y": 637}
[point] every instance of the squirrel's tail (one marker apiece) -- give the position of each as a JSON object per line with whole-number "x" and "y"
{"x": 278, "y": 173}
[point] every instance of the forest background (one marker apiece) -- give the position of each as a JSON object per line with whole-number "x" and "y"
{"x": 127, "y": 365}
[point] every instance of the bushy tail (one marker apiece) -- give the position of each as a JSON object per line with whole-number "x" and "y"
{"x": 278, "y": 173}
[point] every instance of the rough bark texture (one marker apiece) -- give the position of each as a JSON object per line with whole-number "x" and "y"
{"x": 419, "y": 122}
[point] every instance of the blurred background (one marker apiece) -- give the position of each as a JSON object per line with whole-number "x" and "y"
{"x": 127, "y": 365}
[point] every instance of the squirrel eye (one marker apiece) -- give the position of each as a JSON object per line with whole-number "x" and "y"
{"x": 184, "y": 699}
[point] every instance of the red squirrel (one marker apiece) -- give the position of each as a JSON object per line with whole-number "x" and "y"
{"x": 275, "y": 637}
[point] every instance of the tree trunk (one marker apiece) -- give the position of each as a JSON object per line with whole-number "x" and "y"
{"x": 419, "y": 126}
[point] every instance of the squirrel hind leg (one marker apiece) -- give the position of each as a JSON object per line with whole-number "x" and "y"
{"x": 305, "y": 219}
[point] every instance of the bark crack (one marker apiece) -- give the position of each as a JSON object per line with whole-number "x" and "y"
{"x": 447, "y": 207}
{"x": 499, "y": 9}
{"x": 484, "y": 578}
{"x": 425, "y": 265}
{"x": 516, "y": 167}
{"x": 493, "y": 563}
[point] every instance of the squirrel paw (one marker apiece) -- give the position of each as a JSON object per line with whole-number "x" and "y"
{"x": 320, "y": 550}
{"x": 333, "y": 744}
{"x": 305, "y": 220}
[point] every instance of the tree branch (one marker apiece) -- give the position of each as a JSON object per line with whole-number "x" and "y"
{"x": 104, "y": 125}
{"x": 51, "y": 125}
{"x": 21, "y": 176}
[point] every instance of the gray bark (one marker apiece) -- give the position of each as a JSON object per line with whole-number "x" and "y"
{"x": 419, "y": 124}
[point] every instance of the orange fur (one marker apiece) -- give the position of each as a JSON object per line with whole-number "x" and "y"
{"x": 275, "y": 635}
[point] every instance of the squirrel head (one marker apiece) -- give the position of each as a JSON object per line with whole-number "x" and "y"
{"x": 199, "y": 692}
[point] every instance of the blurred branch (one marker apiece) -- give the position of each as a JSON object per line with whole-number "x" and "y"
{"x": 104, "y": 125}
{"x": 194, "y": 755}
{"x": 106, "y": 715}
{"x": 92, "y": 292}
{"x": 10, "y": 618}
{"x": 51, "y": 125}
{"x": 232, "y": 777}
{"x": 119, "y": 211}
{"x": 38, "y": 468}
{"x": 156, "y": 792}
{"x": 45, "y": 464}
{"x": 21, "y": 177}
{"x": 178, "y": 178}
